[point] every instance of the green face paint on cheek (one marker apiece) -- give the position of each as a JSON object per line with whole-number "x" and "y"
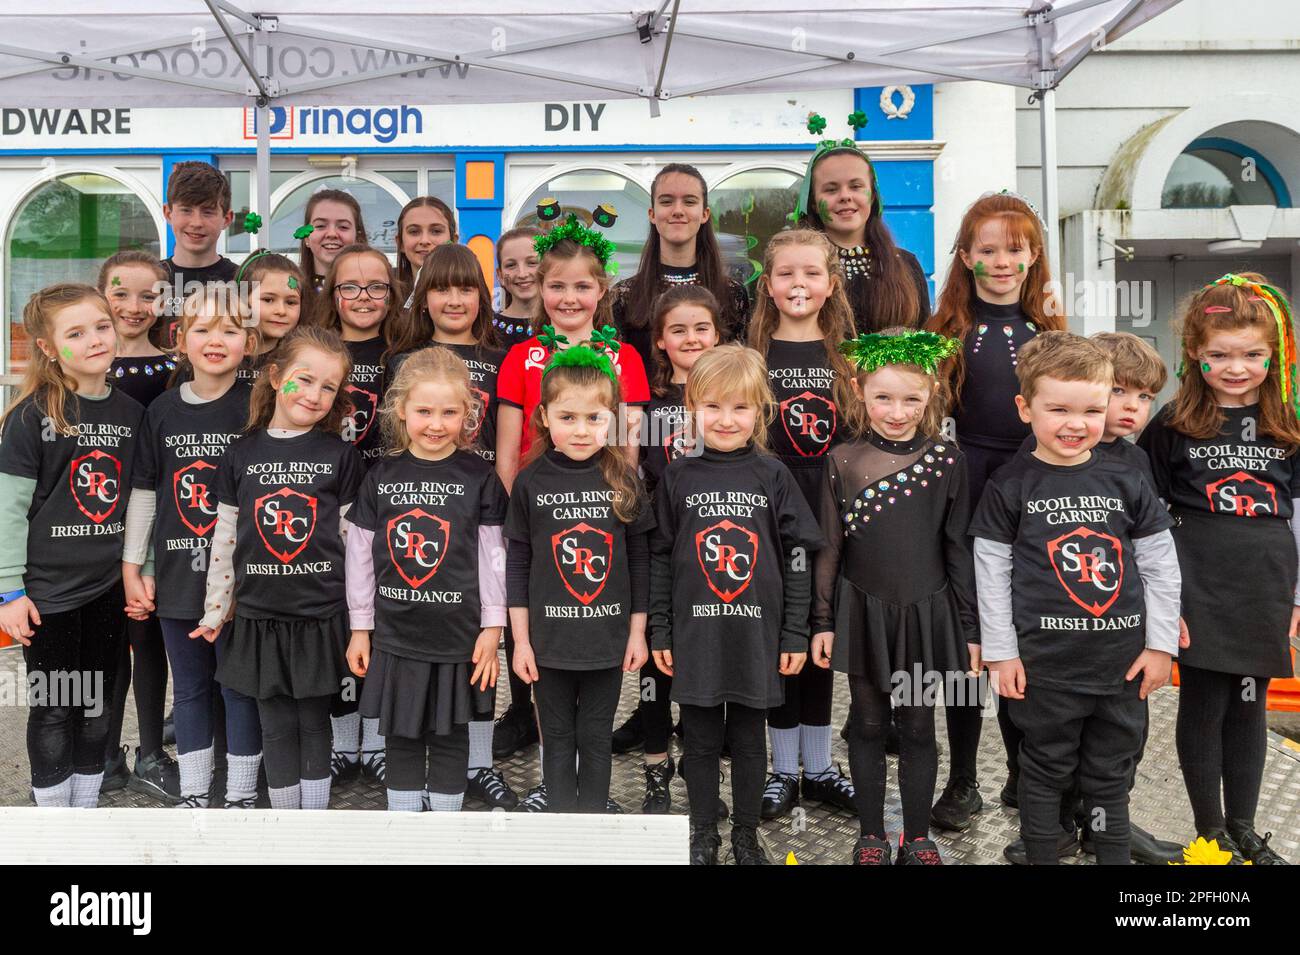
{"x": 66, "y": 353}
{"x": 1205, "y": 367}
{"x": 823, "y": 210}
{"x": 1022, "y": 266}
{"x": 1266, "y": 363}
{"x": 290, "y": 387}
{"x": 979, "y": 270}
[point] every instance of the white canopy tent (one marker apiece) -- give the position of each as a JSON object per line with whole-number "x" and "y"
{"x": 348, "y": 52}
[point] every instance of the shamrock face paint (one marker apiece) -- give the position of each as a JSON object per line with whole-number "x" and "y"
{"x": 66, "y": 352}
{"x": 979, "y": 270}
{"x": 293, "y": 282}
{"x": 117, "y": 280}
{"x": 290, "y": 387}
{"x": 1205, "y": 367}
{"x": 1020, "y": 267}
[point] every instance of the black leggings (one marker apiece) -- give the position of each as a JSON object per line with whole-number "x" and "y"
{"x": 1222, "y": 740}
{"x": 918, "y": 762}
{"x": 656, "y": 708}
{"x": 575, "y": 713}
{"x": 705, "y": 727}
{"x": 447, "y": 758}
{"x": 144, "y": 650}
{"x": 348, "y": 699}
{"x": 807, "y": 699}
{"x": 71, "y": 666}
{"x": 295, "y": 739}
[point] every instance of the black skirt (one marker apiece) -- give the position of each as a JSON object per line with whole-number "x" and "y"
{"x": 299, "y": 657}
{"x": 412, "y": 698}
{"x": 1239, "y": 579}
{"x": 876, "y": 639}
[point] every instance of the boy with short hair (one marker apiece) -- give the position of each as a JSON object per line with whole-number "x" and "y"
{"x": 1140, "y": 374}
{"x": 198, "y": 210}
{"x": 1093, "y": 602}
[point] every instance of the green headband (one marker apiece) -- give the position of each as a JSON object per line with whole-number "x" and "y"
{"x": 573, "y": 230}
{"x": 817, "y": 125}
{"x": 923, "y": 349}
{"x": 597, "y": 353}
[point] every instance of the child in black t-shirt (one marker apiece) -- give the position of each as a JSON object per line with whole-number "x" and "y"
{"x": 730, "y": 583}
{"x": 169, "y": 523}
{"x": 578, "y": 571}
{"x": 1078, "y": 595}
{"x": 277, "y": 561}
{"x": 800, "y": 318}
{"x": 129, "y": 281}
{"x": 686, "y": 324}
{"x": 273, "y": 287}
{"x": 452, "y": 307}
{"x": 66, "y": 451}
{"x": 894, "y": 603}
{"x": 426, "y": 574}
{"x": 1224, "y": 453}
{"x": 198, "y": 211}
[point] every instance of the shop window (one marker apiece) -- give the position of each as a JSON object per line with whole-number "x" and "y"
{"x": 1216, "y": 173}
{"x": 748, "y": 209}
{"x": 379, "y": 207}
{"x": 581, "y": 191}
{"x": 62, "y": 232}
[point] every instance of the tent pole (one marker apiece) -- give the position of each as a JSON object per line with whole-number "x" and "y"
{"x": 264, "y": 167}
{"x": 1051, "y": 193}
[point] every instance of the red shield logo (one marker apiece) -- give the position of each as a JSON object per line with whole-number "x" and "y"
{"x": 1242, "y": 495}
{"x": 1090, "y": 566}
{"x": 196, "y": 497}
{"x": 679, "y": 443}
{"x": 727, "y": 553}
{"x": 417, "y": 543}
{"x": 809, "y": 421}
{"x": 365, "y": 407}
{"x": 582, "y": 556}
{"x": 285, "y": 519}
{"x": 96, "y": 482}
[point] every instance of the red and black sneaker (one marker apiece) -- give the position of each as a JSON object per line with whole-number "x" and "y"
{"x": 918, "y": 852}
{"x": 871, "y": 850}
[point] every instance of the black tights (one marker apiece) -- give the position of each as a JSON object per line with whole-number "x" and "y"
{"x": 704, "y": 728}
{"x": 1222, "y": 740}
{"x": 918, "y": 763}
{"x": 295, "y": 739}
{"x": 436, "y": 763}
{"x": 142, "y": 665}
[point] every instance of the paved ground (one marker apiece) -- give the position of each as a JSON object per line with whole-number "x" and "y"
{"x": 817, "y": 834}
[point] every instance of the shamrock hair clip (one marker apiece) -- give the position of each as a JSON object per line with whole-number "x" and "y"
{"x": 923, "y": 349}
{"x": 857, "y": 121}
{"x": 573, "y": 230}
{"x": 303, "y": 231}
{"x": 252, "y": 222}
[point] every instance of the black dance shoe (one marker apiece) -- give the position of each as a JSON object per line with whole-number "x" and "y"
{"x": 960, "y": 800}
{"x": 780, "y": 795}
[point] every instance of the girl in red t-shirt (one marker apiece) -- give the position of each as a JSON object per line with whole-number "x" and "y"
{"x": 575, "y": 302}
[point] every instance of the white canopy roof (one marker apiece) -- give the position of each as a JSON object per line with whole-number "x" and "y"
{"x": 314, "y": 52}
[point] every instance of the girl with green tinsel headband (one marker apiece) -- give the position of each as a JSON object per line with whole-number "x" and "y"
{"x": 898, "y": 380}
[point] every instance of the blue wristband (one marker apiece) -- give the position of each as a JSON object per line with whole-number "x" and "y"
{"x": 12, "y": 596}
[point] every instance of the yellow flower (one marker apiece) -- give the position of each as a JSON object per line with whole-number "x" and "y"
{"x": 1201, "y": 852}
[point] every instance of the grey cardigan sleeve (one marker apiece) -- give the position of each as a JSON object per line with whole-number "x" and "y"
{"x": 1162, "y": 584}
{"x": 993, "y": 587}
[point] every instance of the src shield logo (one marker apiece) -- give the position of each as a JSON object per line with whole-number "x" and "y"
{"x": 195, "y": 499}
{"x": 96, "y": 481}
{"x": 417, "y": 543}
{"x": 1090, "y": 566}
{"x": 582, "y": 556}
{"x": 285, "y": 520}
{"x": 809, "y": 422}
{"x": 474, "y": 423}
{"x": 364, "y": 407}
{"x": 727, "y": 553}
{"x": 1242, "y": 495}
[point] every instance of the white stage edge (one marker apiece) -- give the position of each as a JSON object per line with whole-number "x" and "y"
{"x": 34, "y": 836}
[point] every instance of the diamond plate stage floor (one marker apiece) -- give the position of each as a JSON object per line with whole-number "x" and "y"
{"x": 817, "y": 834}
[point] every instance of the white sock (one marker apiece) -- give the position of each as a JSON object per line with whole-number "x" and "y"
{"x": 445, "y": 802}
{"x": 405, "y": 800}
{"x": 290, "y": 797}
{"x": 241, "y": 776}
{"x": 60, "y": 794}
{"x": 371, "y": 741}
{"x": 480, "y": 745}
{"x": 785, "y": 750}
{"x": 815, "y": 742}
{"x": 347, "y": 735}
{"x": 315, "y": 793}
{"x": 196, "y": 772}
{"x": 85, "y": 790}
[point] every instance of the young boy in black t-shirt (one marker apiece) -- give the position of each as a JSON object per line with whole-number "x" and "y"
{"x": 198, "y": 211}
{"x": 1092, "y": 602}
